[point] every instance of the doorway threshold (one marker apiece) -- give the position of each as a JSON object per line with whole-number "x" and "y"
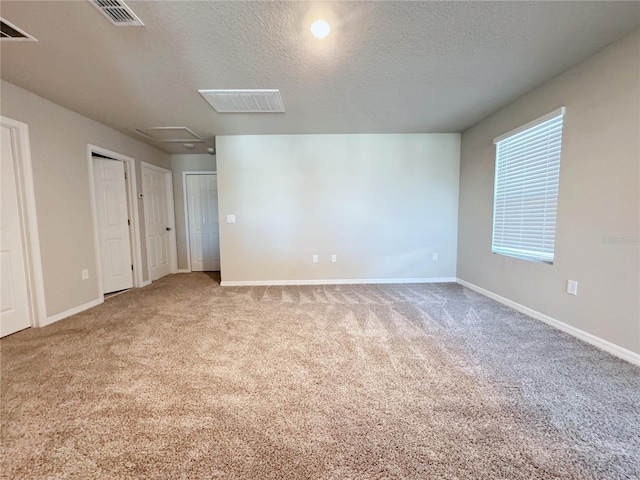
{"x": 113, "y": 294}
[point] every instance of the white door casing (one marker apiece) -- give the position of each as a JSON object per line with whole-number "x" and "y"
{"x": 23, "y": 182}
{"x": 201, "y": 195}
{"x": 113, "y": 224}
{"x": 14, "y": 297}
{"x": 132, "y": 208}
{"x": 157, "y": 188}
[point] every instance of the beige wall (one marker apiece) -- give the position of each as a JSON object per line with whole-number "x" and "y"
{"x": 58, "y": 139}
{"x": 599, "y": 200}
{"x": 186, "y": 163}
{"x": 382, "y": 203}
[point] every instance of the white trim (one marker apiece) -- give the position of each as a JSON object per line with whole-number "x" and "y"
{"x": 94, "y": 222}
{"x": 336, "y": 281}
{"x": 132, "y": 209}
{"x": 532, "y": 123}
{"x": 29, "y": 218}
{"x": 186, "y": 209}
{"x": 146, "y": 283}
{"x": 173, "y": 248}
{"x": 183, "y": 270}
{"x": 80, "y": 308}
{"x": 132, "y": 188}
{"x": 172, "y": 216}
{"x": 605, "y": 345}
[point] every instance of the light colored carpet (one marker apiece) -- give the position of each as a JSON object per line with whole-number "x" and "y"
{"x": 187, "y": 380}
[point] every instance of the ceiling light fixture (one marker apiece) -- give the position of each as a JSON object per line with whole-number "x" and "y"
{"x": 320, "y": 29}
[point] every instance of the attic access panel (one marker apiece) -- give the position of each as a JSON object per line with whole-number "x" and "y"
{"x": 169, "y": 134}
{"x": 244, "y": 101}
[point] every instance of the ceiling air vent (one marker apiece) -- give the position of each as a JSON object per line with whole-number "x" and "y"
{"x": 169, "y": 134}
{"x": 8, "y": 31}
{"x": 244, "y": 101}
{"x": 117, "y": 12}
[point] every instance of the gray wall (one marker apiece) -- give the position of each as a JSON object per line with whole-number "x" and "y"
{"x": 382, "y": 203}
{"x": 599, "y": 200}
{"x": 59, "y": 139}
{"x": 179, "y": 164}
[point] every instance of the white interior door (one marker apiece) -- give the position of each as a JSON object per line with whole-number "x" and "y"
{"x": 159, "y": 220}
{"x": 113, "y": 224}
{"x": 202, "y": 208}
{"x": 14, "y": 299}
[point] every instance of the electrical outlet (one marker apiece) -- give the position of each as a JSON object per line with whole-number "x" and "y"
{"x": 231, "y": 219}
{"x": 85, "y": 274}
{"x": 435, "y": 256}
{"x": 314, "y": 259}
{"x": 334, "y": 258}
{"x": 572, "y": 287}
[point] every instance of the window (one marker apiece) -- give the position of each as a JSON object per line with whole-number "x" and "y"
{"x": 526, "y": 189}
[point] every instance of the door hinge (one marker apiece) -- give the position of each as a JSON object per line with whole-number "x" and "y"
{"x": 125, "y": 175}
{"x": 131, "y": 267}
{"x": 128, "y": 221}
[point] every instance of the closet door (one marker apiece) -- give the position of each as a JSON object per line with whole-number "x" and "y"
{"x": 202, "y": 208}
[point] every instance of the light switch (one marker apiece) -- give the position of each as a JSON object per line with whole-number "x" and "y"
{"x": 231, "y": 219}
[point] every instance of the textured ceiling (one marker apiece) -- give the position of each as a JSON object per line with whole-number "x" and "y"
{"x": 386, "y": 67}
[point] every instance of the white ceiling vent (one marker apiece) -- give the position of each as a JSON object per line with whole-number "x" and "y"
{"x": 244, "y": 101}
{"x": 169, "y": 134}
{"x": 117, "y": 12}
{"x": 8, "y": 31}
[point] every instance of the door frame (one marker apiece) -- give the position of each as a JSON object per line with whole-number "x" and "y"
{"x": 186, "y": 209}
{"x": 132, "y": 210}
{"x": 173, "y": 249}
{"x": 29, "y": 221}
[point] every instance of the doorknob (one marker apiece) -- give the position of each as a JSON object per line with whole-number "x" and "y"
{"x": 168, "y": 229}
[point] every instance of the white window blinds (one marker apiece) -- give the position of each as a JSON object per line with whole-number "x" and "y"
{"x": 526, "y": 189}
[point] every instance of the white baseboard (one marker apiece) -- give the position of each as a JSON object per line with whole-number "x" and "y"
{"x": 605, "y": 345}
{"x": 183, "y": 270}
{"x": 72, "y": 311}
{"x": 145, "y": 283}
{"x": 335, "y": 281}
